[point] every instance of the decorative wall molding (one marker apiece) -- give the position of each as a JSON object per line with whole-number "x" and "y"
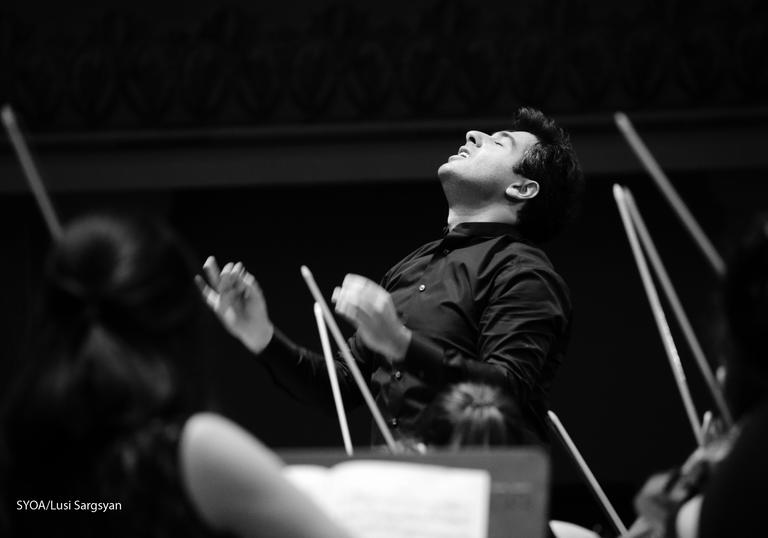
{"x": 141, "y": 66}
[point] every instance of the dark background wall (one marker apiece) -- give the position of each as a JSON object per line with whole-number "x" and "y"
{"x": 309, "y": 133}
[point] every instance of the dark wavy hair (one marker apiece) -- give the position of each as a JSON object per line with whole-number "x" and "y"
{"x": 553, "y": 164}
{"x": 472, "y": 414}
{"x": 745, "y": 298}
{"x": 115, "y": 349}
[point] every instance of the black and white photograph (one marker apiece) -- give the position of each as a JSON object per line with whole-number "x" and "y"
{"x": 402, "y": 269}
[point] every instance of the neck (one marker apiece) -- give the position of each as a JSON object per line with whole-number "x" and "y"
{"x": 457, "y": 215}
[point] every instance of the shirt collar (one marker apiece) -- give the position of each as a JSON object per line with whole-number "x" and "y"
{"x": 482, "y": 230}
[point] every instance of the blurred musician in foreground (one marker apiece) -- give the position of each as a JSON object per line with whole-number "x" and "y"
{"x": 481, "y": 303}
{"x": 721, "y": 490}
{"x": 106, "y": 432}
{"x": 734, "y": 498}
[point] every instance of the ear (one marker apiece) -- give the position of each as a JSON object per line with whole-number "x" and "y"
{"x": 522, "y": 190}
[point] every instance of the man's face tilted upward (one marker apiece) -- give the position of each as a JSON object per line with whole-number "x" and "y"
{"x": 483, "y": 168}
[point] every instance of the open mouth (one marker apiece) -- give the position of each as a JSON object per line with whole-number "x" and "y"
{"x": 462, "y": 154}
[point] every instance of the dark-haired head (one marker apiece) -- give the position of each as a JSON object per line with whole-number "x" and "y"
{"x": 473, "y": 414}
{"x": 115, "y": 338}
{"x": 552, "y": 163}
{"x": 746, "y": 310}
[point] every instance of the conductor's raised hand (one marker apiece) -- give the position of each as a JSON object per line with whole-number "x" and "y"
{"x": 236, "y": 298}
{"x": 370, "y": 309}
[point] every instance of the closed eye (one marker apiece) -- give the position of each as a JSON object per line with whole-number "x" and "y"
{"x": 504, "y": 135}
{"x": 498, "y": 138}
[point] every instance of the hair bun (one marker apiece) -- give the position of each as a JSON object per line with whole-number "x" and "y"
{"x": 71, "y": 298}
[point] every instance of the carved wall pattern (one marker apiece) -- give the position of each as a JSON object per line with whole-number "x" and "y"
{"x": 343, "y": 63}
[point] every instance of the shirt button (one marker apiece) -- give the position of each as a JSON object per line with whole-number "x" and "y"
{"x": 393, "y": 422}
{"x": 398, "y": 374}
{"x": 422, "y": 287}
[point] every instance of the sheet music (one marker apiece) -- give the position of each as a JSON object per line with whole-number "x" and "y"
{"x": 384, "y": 499}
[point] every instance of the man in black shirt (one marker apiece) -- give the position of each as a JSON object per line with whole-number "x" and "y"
{"x": 482, "y": 303}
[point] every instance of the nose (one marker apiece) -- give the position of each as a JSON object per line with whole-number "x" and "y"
{"x": 476, "y": 137}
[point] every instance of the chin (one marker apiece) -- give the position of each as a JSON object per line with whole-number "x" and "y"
{"x": 446, "y": 169}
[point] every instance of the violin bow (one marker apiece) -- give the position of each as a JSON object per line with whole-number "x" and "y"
{"x": 700, "y": 238}
{"x": 658, "y": 313}
{"x": 662, "y": 181}
{"x": 602, "y": 498}
{"x": 677, "y": 308}
{"x": 31, "y": 174}
{"x": 322, "y": 330}
{"x": 349, "y": 359}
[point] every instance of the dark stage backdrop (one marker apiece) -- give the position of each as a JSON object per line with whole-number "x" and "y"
{"x": 308, "y": 132}
{"x": 615, "y": 392}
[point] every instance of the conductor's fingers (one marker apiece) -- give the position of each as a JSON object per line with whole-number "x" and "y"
{"x": 347, "y": 308}
{"x": 344, "y": 298}
{"x": 212, "y": 271}
{"x": 347, "y": 311}
{"x": 201, "y": 284}
{"x": 354, "y": 283}
{"x": 357, "y": 316}
{"x": 210, "y": 296}
{"x": 226, "y": 280}
{"x": 252, "y": 288}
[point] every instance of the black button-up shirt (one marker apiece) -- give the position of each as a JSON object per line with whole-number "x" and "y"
{"x": 483, "y": 304}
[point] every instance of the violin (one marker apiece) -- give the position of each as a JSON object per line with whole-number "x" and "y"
{"x": 665, "y": 496}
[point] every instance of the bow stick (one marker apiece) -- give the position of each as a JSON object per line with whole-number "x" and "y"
{"x": 658, "y": 314}
{"x": 348, "y": 358}
{"x": 677, "y": 308}
{"x": 321, "y": 329}
{"x": 30, "y": 171}
{"x": 587, "y": 473}
{"x": 662, "y": 181}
